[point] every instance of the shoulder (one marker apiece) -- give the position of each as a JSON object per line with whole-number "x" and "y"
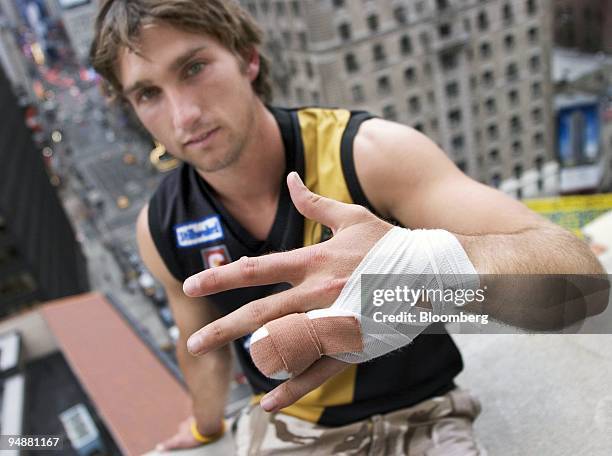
{"x": 393, "y": 161}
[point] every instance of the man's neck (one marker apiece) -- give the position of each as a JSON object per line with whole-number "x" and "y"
{"x": 255, "y": 177}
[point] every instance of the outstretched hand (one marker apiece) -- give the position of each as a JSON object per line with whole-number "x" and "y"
{"x": 317, "y": 273}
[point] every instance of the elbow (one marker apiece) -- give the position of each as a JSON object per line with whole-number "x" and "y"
{"x": 584, "y": 296}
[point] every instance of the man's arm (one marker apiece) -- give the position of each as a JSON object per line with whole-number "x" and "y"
{"x": 208, "y": 377}
{"x": 409, "y": 179}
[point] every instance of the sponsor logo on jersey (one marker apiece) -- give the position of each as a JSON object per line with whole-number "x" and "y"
{"x": 200, "y": 232}
{"x": 215, "y": 256}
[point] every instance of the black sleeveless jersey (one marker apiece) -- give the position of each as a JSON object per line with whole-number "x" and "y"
{"x": 193, "y": 231}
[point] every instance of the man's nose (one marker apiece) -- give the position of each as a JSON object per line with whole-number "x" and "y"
{"x": 185, "y": 111}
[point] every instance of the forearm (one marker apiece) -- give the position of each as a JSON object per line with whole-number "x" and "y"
{"x": 208, "y": 379}
{"x": 542, "y": 278}
{"x": 543, "y": 249}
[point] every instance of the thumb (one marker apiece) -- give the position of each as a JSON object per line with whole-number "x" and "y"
{"x": 326, "y": 211}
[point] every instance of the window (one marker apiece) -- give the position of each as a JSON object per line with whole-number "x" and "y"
{"x": 265, "y": 6}
{"x": 517, "y": 148}
{"x": 280, "y": 8}
{"x": 357, "y": 92}
{"x": 351, "y": 64}
{"x": 495, "y": 180}
{"x": 539, "y": 162}
{"x": 389, "y": 112}
{"x": 442, "y": 4}
{"x": 399, "y": 14}
{"x": 286, "y": 34}
{"x": 494, "y": 155}
{"x": 338, "y": 3}
{"x": 454, "y": 117}
{"x": 518, "y": 171}
{"x": 295, "y": 6}
{"x": 452, "y": 89}
{"x": 448, "y": 60}
{"x": 303, "y": 39}
{"x": 419, "y": 126}
{"x": 483, "y": 21}
{"x": 462, "y": 165}
{"x": 513, "y": 97}
{"x": 431, "y": 98}
{"x": 492, "y": 132}
{"x": 511, "y": 72}
{"x": 414, "y": 104}
{"x": 424, "y": 38}
{"x": 531, "y": 6}
{"x": 444, "y": 30}
{"x": 536, "y": 90}
{"x": 378, "y": 52}
{"x": 490, "y": 105}
{"x": 538, "y": 139}
{"x": 507, "y": 14}
{"x": 373, "y": 22}
{"x": 316, "y": 99}
{"x": 509, "y": 42}
{"x": 487, "y": 78}
{"x": 536, "y": 115}
{"x": 485, "y": 50}
{"x": 532, "y": 35}
{"x": 384, "y": 85}
{"x": 515, "y": 125}
{"x": 434, "y": 124}
{"x": 344, "y": 30}
{"x": 309, "y": 69}
{"x": 405, "y": 45}
{"x": 409, "y": 75}
{"x": 534, "y": 63}
{"x": 458, "y": 143}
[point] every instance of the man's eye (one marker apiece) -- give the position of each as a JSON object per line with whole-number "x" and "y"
{"x": 147, "y": 94}
{"x": 194, "y": 69}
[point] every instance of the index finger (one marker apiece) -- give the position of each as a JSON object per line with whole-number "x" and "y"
{"x": 247, "y": 272}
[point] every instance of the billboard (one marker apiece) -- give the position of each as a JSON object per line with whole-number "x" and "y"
{"x": 578, "y": 149}
{"x": 578, "y": 134}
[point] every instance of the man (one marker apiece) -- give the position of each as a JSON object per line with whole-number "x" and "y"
{"x": 193, "y": 74}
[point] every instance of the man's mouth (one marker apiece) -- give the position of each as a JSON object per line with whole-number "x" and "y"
{"x": 203, "y": 139}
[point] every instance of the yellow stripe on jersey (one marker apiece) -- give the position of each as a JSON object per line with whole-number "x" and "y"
{"x": 322, "y": 131}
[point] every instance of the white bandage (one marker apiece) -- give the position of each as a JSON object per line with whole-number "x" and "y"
{"x": 426, "y": 259}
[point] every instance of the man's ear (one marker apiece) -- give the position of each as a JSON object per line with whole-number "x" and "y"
{"x": 252, "y": 64}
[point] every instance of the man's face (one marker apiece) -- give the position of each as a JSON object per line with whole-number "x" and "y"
{"x": 191, "y": 93}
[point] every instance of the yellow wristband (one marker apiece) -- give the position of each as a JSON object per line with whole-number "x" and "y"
{"x": 206, "y": 438}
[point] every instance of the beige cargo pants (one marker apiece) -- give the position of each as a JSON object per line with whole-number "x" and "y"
{"x": 439, "y": 426}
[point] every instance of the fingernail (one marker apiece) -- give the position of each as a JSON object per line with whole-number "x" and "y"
{"x": 194, "y": 344}
{"x": 297, "y": 178}
{"x": 190, "y": 287}
{"x": 268, "y": 403}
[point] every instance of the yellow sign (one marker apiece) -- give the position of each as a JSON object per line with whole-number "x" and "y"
{"x": 572, "y": 212}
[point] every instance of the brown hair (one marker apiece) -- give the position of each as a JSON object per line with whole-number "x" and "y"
{"x": 119, "y": 22}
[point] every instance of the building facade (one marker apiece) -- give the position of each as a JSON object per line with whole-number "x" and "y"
{"x": 40, "y": 258}
{"x": 585, "y": 25}
{"x": 473, "y": 75}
